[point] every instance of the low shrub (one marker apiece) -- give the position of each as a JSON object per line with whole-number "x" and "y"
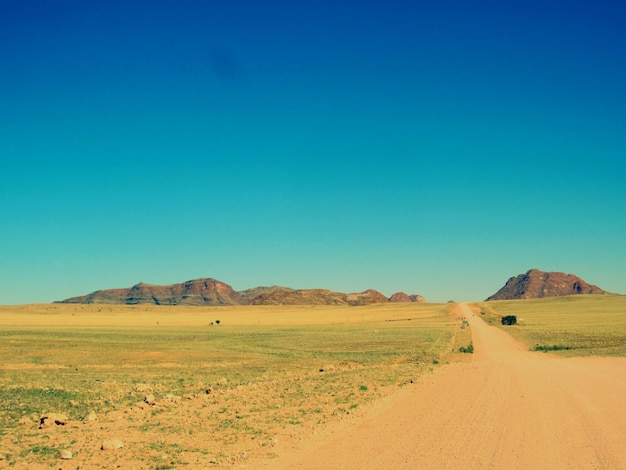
{"x": 554, "y": 347}
{"x": 509, "y": 320}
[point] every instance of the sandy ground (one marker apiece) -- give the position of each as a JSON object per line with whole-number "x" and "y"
{"x": 508, "y": 408}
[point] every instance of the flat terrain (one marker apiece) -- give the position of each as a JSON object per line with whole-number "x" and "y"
{"x": 509, "y": 408}
{"x": 182, "y": 391}
{"x": 381, "y": 386}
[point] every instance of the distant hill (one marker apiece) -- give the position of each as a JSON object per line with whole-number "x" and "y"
{"x": 286, "y": 296}
{"x": 402, "y": 297}
{"x": 213, "y": 292}
{"x": 195, "y": 292}
{"x": 536, "y": 284}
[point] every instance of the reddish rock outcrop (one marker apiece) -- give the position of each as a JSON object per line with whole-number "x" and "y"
{"x": 367, "y": 297}
{"x": 402, "y": 297}
{"x": 195, "y": 292}
{"x": 286, "y": 296}
{"x": 536, "y": 284}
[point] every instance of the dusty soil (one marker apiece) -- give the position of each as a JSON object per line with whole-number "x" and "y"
{"x": 149, "y": 408}
{"x": 508, "y": 408}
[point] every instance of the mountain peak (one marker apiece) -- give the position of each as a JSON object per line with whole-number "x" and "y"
{"x": 536, "y": 284}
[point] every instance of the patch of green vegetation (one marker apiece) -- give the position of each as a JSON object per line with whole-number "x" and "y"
{"x": 165, "y": 447}
{"x": 18, "y": 402}
{"x": 554, "y": 347}
{"x": 228, "y": 423}
{"x": 467, "y": 349}
{"x": 508, "y": 320}
{"x": 42, "y": 451}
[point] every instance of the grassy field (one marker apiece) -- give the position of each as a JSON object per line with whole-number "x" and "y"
{"x": 217, "y": 394}
{"x": 580, "y": 325}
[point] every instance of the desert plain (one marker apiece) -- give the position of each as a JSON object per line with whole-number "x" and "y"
{"x": 414, "y": 385}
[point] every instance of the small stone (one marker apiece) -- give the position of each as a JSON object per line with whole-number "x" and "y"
{"x": 149, "y": 399}
{"x": 111, "y": 444}
{"x": 91, "y": 417}
{"x": 65, "y": 454}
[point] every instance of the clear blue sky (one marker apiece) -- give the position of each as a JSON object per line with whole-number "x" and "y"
{"x": 432, "y": 147}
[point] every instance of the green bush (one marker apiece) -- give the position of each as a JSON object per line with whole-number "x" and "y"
{"x": 509, "y": 320}
{"x": 554, "y": 347}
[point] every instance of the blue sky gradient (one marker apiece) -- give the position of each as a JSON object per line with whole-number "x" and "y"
{"x": 429, "y": 147}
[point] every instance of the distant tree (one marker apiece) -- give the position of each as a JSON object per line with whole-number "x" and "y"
{"x": 509, "y": 320}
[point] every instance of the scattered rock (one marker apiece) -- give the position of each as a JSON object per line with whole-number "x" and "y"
{"x": 65, "y": 454}
{"x": 111, "y": 444}
{"x": 91, "y": 417}
{"x": 52, "y": 419}
{"x": 209, "y": 391}
{"x": 149, "y": 399}
{"x": 328, "y": 368}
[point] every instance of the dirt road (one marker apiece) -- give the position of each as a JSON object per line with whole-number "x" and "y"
{"x": 508, "y": 409}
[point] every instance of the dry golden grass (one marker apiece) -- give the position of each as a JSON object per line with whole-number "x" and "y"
{"x": 274, "y": 374}
{"x": 579, "y": 325}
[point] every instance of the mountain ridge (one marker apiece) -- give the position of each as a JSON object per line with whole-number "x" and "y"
{"x": 211, "y": 292}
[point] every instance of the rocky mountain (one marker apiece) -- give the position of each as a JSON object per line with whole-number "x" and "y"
{"x": 195, "y": 292}
{"x": 402, "y": 297}
{"x": 286, "y": 296}
{"x": 213, "y": 292}
{"x": 536, "y": 284}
